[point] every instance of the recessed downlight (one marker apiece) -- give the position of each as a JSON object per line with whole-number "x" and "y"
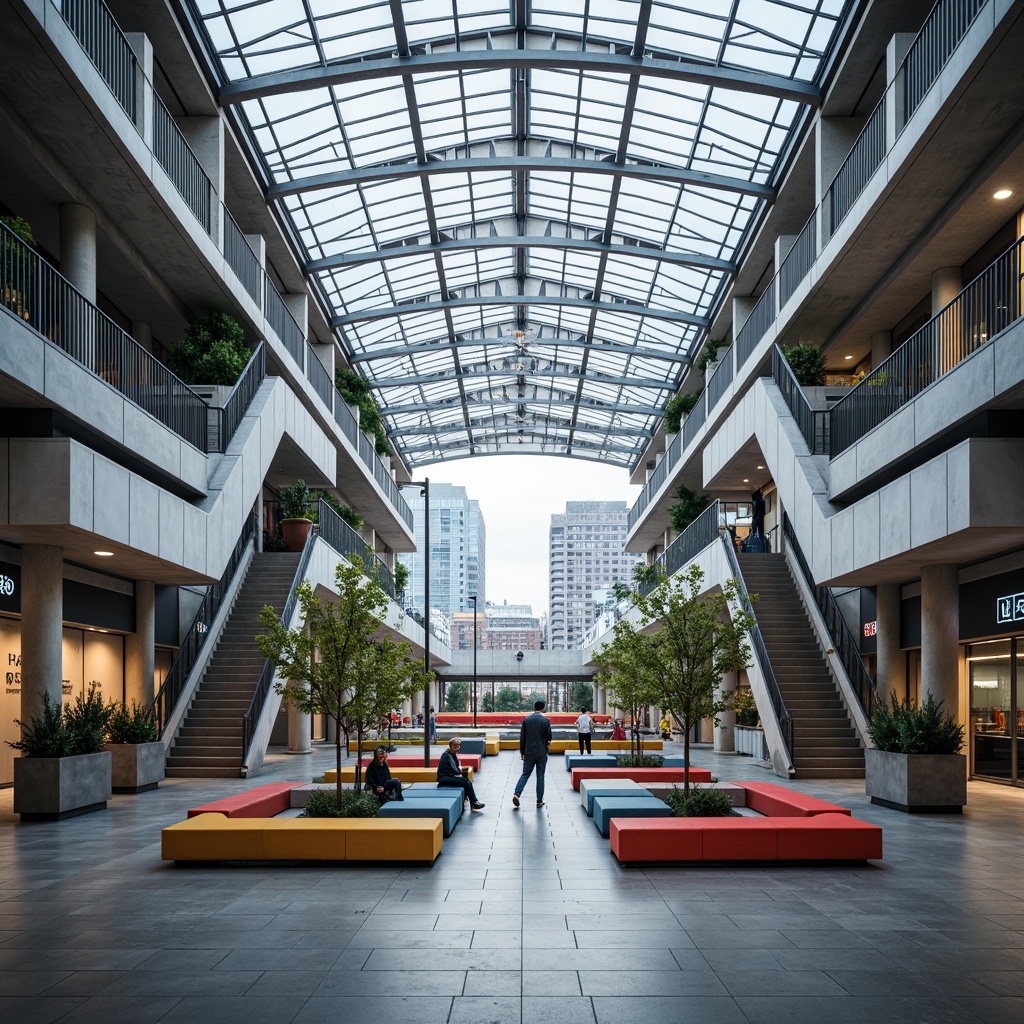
{"x": 104, "y": 554}
{"x": 760, "y": 467}
{"x": 847, "y": 357}
{"x": 745, "y": 480}
{"x": 1003, "y": 193}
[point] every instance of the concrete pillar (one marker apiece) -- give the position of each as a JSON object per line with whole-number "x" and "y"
{"x": 724, "y": 736}
{"x": 947, "y": 282}
{"x": 42, "y": 614}
{"x": 891, "y": 673}
{"x": 742, "y": 307}
{"x": 299, "y": 729}
{"x": 895, "y": 113}
{"x": 143, "y": 49}
{"x": 139, "y": 647}
{"x": 940, "y": 634}
{"x": 78, "y": 248}
{"x": 142, "y": 332}
{"x": 881, "y": 348}
{"x": 833, "y": 139}
{"x": 205, "y": 136}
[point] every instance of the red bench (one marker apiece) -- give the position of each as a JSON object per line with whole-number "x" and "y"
{"x": 825, "y": 836}
{"x": 640, "y": 775}
{"x": 259, "y": 802}
{"x": 776, "y": 801}
{"x": 414, "y": 761}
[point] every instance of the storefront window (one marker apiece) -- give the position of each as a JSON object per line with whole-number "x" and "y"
{"x": 995, "y": 720}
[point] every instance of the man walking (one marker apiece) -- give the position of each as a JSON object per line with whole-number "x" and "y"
{"x": 534, "y": 739}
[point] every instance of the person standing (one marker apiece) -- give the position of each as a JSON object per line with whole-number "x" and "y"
{"x": 449, "y": 773}
{"x": 584, "y": 729}
{"x": 433, "y": 726}
{"x": 534, "y": 740}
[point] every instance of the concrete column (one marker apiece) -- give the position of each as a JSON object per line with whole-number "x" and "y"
{"x": 881, "y": 348}
{"x": 895, "y": 114}
{"x": 143, "y": 48}
{"x": 947, "y": 283}
{"x": 742, "y": 307}
{"x": 940, "y": 634}
{"x": 298, "y": 725}
{"x": 724, "y": 737}
{"x": 205, "y": 136}
{"x": 891, "y": 673}
{"x": 139, "y": 647}
{"x": 78, "y": 248}
{"x": 298, "y": 306}
{"x": 142, "y": 332}
{"x": 42, "y": 614}
{"x": 833, "y": 139}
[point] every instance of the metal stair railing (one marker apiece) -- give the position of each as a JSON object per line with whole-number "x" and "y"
{"x": 843, "y": 641}
{"x": 198, "y": 632}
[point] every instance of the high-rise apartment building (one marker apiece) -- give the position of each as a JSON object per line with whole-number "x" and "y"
{"x": 512, "y": 627}
{"x": 457, "y": 549}
{"x": 586, "y": 552}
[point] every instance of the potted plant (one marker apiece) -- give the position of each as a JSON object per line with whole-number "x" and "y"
{"x": 916, "y": 764}
{"x": 297, "y": 507}
{"x": 17, "y": 261}
{"x": 137, "y": 756}
{"x": 213, "y": 352}
{"x": 807, "y": 363}
{"x": 677, "y": 408}
{"x": 355, "y": 390}
{"x": 63, "y": 770}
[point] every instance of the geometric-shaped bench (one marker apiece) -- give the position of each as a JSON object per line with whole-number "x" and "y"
{"x": 589, "y": 761}
{"x": 825, "y": 836}
{"x": 640, "y": 774}
{"x": 416, "y": 760}
{"x": 214, "y": 837}
{"x": 609, "y": 808}
{"x": 444, "y": 803}
{"x": 777, "y": 801}
{"x": 259, "y": 802}
{"x": 473, "y": 745}
{"x": 400, "y": 772}
{"x": 590, "y": 788}
{"x": 569, "y": 746}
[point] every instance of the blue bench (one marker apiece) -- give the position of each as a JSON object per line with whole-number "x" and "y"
{"x": 674, "y": 762}
{"x": 589, "y": 761}
{"x": 596, "y": 789}
{"x": 436, "y": 803}
{"x": 608, "y": 807}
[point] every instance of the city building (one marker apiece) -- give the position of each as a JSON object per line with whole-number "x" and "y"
{"x": 458, "y": 548}
{"x": 512, "y": 627}
{"x": 586, "y": 553}
{"x": 462, "y": 632}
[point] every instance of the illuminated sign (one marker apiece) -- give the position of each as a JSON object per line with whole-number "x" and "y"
{"x": 6, "y": 586}
{"x": 1010, "y": 608}
{"x": 871, "y": 628}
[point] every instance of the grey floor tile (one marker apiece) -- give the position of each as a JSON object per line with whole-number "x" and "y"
{"x": 373, "y": 1009}
{"x": 392, "y": 983}
{"x": 668, "y": 1010}
{"x": 563, "y": 1009}
{"x": 234, "y": 1010}
{"x": 652, "y": 983}
{"x": 857, "y": 1010}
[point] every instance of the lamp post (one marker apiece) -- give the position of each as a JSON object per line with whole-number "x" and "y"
{"x": 472, "y": 597}
{"x": 424, "y": 486}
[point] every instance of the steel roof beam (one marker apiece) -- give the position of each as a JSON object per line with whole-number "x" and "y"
{"x": 593, "y": 378}
{"x": 568, "y": 165}
{"x": 603, "y": 450}
{"x": 398, "y": 252}
{"x": 458, "y": 61}
{"x": 540, "y": 401}
{"x": 623, "y": 308}
{"x": 527, "y": 428}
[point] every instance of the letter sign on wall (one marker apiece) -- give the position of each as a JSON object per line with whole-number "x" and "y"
{"x": 1010, "y": 608}
{"x": 6, "y": 586}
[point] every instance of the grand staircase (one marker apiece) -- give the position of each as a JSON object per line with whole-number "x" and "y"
{"x": 825, "y": 743}
{"x": 209, "y": 742}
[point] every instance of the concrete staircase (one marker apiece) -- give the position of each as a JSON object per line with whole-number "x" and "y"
{"x": 208, "y": 745}
{"x": 825, "y": 743}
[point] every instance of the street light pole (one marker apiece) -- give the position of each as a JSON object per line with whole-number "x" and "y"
{"x": 472, "y": 598}
{"x": 424, "y": 486}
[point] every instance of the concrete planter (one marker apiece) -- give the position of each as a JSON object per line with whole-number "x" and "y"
{"x": 51, "y": 788}
{"x": 917, "y": 783}
{"x": 136, "y": 767}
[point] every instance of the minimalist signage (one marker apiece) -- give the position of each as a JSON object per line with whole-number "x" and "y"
{"x": 1010, "y": 608}
{"x": 6, "y": 586}
{"x": 870, "y": 628}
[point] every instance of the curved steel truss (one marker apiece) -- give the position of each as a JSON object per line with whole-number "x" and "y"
{"x": 521, "y": 216}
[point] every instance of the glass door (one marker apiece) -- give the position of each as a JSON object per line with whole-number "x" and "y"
{"x": 997, "y": 710}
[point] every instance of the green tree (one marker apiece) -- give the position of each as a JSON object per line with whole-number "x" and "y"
{"x": 623, "y": 667}
{"x": 487, "y": 702}
{"x": 699, "y": 637}
{"x": 581, "y": 695}
{"x": 213, "y": 352}
{"x": 343, "y": 665}
{"x": 456, "y": 697}
{"x": 508, "y": 698}
{"x": 526, "y": 703}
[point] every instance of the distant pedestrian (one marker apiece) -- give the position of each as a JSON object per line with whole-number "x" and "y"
{"x": 666, "y": 728}
{"x": 584, "y": 729}
{"x": 433, "y": 726}
{"x": 534, "y": 740}
{"x": 449, "y": 773}
{"x": 618, "y": 733}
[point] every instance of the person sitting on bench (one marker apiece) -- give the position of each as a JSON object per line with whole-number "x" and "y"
{"x": 378, "y": 778}
{"x": 449, "y": 773}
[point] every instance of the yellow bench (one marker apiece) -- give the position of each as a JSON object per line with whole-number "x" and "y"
{"x": 216, "y": 837}
{"x": 404, "y": 773}
{"x": 492, "y": 744}
{"x": 563, "y": 746}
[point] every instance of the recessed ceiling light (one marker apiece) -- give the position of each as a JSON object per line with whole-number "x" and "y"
{"x": 1003, "y": 193}
{"x": 847, "y": 357}
{"x": 760, "y": 467}
{"x": 104, "y": 554}
{"x": 745, "y": 480}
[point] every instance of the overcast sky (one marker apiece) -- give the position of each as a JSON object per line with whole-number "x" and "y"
{"x": 518, "y": 495}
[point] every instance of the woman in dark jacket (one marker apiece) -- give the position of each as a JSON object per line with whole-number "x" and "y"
{"x": 378, "y": 778}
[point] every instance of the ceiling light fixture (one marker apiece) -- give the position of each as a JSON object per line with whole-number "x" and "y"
{"x": 847, "y": 357}
{"x": 104, "y": 554}
{"x": 1003, "y": 193}
{"x": 745, "y": 480}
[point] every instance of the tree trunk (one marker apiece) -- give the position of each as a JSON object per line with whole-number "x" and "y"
{"x": 359, "y": 759}
{"x": 686, "y": 757}
{"x": 337, "y": 759}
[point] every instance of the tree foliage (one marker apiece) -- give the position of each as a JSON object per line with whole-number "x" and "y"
{"x": 807, "y": 363}
{"x": 581, "y": 695}
{"x": 355, "y": 389}
{"x": 688, "y": 506}
{"x": 906, "y": 728}
{"x": 213, "y": 352}
{"x": 508, "y": 698}
{"x": 456, "y": 696}
{"x": 343, "y": 664}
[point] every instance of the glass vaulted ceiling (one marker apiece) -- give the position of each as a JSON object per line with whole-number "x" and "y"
{"x": 521, "y": 215}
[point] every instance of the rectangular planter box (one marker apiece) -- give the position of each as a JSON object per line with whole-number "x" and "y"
{"x": 136, "y": 767}
{"x": 918, "y": 783}
{"x": 749, "y": 740}
{"x": 50, "y": 788}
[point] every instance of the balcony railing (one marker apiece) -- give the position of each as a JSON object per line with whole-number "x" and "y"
{"x": 946, "y": 26}
{"x": 685, "y": 548}
{"x": 241, "y": 397}
{"x": 101, "y": 38}
{"x": 175, "y": 156}
{"x": 282, "y": 322}
{"x": 987, "y": 306}
{"x": 813, "y": 425}
{"x": 198, "y": 632}
{"x": 340, "y": 536}
{"x": 863, "y": 160}
{"x": 35, "y": 292}
{"x": 762, "y": 316}
{"x": 244, "y": 263}
{"x": 319, "y": 377}
{"x": 799, "y": 260}
{"x": 346, "y": 419}
{"x": 720, "y": 379}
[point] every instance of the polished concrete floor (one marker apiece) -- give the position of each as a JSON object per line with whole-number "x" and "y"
{"x": 524, "y": 917}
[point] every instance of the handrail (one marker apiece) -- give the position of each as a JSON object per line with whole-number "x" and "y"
{"x": 697, "y": 536}
{"x": 799, "y": 259}
{"x": 35, "y": 292}
{"x": 340, "y": 536}
{"x": 721, "y": 378}
{"x": 198, "y": 632}
{"x": 983, "y": 309}
{"x": 860, "y": 164}
{"x": 843, "y": 641}
{"x": 101, "y": 37}
{"x": 318, "y": 376}
{"x": 241, "y": 396}
{"x": 281, "y": 321}
{"x": 782, "y": 716}
{"x": 755, "y": 327}
{"x": 241, "y": 258}
{"x": 806, "y": 418}
{"x": 175, "y": 156}
{"x": 266, "y": 679}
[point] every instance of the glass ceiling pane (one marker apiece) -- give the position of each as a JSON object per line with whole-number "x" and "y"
{"x": 541, "y": 147}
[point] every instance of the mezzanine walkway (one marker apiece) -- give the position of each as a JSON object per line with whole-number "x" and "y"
{"x": 525, "y": 917}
